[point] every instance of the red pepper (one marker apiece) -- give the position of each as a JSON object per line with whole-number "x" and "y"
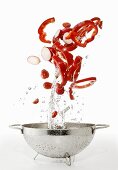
{"x": 54, "y": 114}
{"x": 47, "y": 85}
{"x": 71, "y": 92}
{"x": 62, "y": 68}
{"x": 70, "y": 47}
{"x": 74, "y": 69}
{"x": 42, "y": 34}
{"x": 36, "y": 101}
{"x": 90, "y": 80}
{"x": 77, "y": 63}
{"x": 76, "y": 31}
{"x": 97, "y": 21}
{"x": 70, "y": 73}
{"x": 44, "y": 74}
{"x": 65, "y": 54}
{"x": 66, "y": 24}
{"x": 59, "y": 89}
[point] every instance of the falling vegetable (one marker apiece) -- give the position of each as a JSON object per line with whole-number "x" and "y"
{"x": 59, "y": 53}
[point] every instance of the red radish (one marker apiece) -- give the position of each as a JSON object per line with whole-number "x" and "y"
{"x": 44, "y": 74}
{"x": 66, "y": 24}
{"x": 36, "y": 101}
{"x": 47, "y": 85}
{"x": 54, "y": 114}
{"x": 33, "y": 60}
{"x": 67, "y": 41}
{"x": 46, "y": 54}
{"x": 57, "y": 33}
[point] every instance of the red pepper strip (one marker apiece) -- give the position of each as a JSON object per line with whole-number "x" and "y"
{"x": 70, "y": 47}
{"x": 74, "y": 35}
{"x": 65, "y": 54}
{"x": 66, "y": 24}
{"x": 90, "y": 79}
{"x": 71, "y": 92}
{"x": 77, "y": 63}
{"x": 62, "y": 68}
{"x": 85, "y": 30}
{"x": 36, "y": 101}
{"x": 74, "y": 69}
{"x": 54, "y": 114}
{"x": 97, "y": 21}
{"x": 70, "y": 73}
{"x": 77, "y": 39}
{"x": 41, "y": 32}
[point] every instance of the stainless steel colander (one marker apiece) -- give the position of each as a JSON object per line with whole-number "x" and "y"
{"x": 59, "y": 143}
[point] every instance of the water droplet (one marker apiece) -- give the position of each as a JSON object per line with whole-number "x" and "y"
{"x": 26, "y": 92}
{"x": 86, "y": 57}
{"x": 29, "y": 88}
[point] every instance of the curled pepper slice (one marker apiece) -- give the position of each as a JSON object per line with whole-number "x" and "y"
{"x": 74, "y": 69}
{"x": 75, "y": 34}
{"x": 61, "y": 65}
{"x": 77, "y": 64}
{"x": 64, "y": 53}
{"x": 71, "y": 92}
{"x": 90, "y": 80}
{"x": 97, "y": 21}
{"x": 42, "y": 34}
{"x": 70, "y": 47}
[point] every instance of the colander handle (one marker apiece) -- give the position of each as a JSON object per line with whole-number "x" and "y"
{"x": 101, "y": 126}
{"x": 16, "y": 126}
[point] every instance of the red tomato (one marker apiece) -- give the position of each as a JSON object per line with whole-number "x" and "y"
{"x": 59, "y": 89}
{"x": 47, "y": 85}
{"x": 54, "y": 114}
{"x": 44, "y": 74}
{"x": 36, "y": 101}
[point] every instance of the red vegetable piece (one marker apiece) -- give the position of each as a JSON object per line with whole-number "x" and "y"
{"x": 61, "y": 65}
{"x": 76, "y": 32}
{"x": 54, "y": 114}
{"x": 64, "y": 53}
{"x": 36, "y": 101}
{"x": 44, "y": 74}
{"x": 70, "y": 73}
{"x": 97, "y": 21}
{"x": 70, "y": 47}
{"x": 59, "y": 89}
{"x": 71, "y": 92}
{"x": 66, "y": 24}
{"x": 47, "y": 85}
{"x": 42, "y": 34}
{"x": 90, "y": 80}
{"x": 77, "y": 64}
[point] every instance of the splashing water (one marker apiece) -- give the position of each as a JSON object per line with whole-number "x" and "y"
{"x": 53, "y": 104}
{"x": 60, "y": 104}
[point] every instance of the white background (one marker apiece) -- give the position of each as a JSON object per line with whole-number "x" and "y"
{"x": 19, "y": 21}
